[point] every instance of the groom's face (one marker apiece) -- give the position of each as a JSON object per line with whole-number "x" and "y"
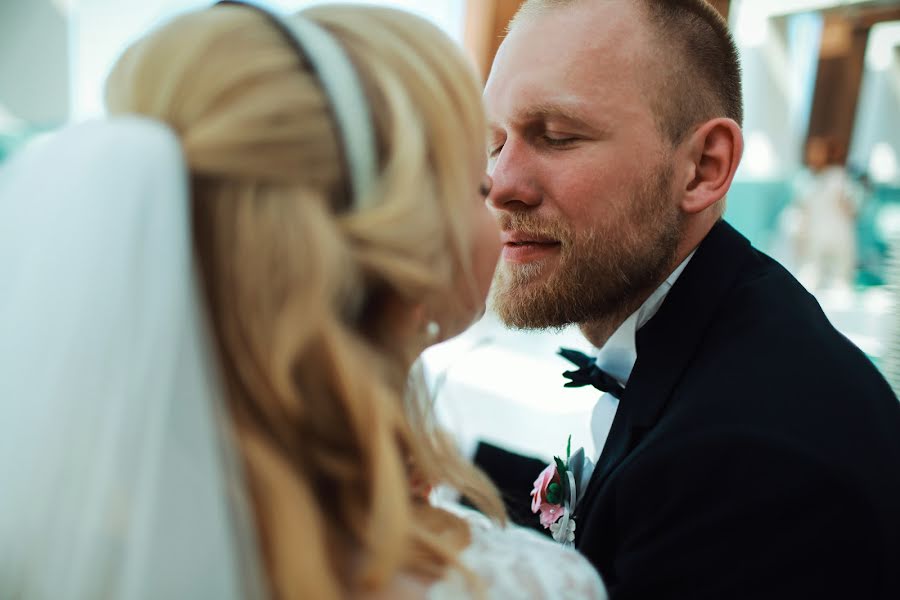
{"x": 582, "y": 176}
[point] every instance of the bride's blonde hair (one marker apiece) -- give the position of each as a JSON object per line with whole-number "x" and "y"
{"x": 302, "y": 288}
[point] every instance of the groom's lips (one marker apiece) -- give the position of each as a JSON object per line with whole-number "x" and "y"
{"x": 521, "y": 247}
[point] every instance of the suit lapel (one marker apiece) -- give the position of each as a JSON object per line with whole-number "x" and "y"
{"x": 667, "y": 343}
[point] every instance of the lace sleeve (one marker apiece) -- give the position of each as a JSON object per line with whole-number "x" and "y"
{"x": 513, "y": 562}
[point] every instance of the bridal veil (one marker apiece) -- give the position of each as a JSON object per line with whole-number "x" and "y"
{"x": 117, "y": 475}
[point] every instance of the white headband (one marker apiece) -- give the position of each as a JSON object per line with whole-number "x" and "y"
{"x": 345, "y": 93}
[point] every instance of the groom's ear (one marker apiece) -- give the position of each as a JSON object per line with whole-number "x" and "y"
{"x": 706, "y": 163}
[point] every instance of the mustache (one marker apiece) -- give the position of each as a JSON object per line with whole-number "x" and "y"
{"x": 538, "y": 226}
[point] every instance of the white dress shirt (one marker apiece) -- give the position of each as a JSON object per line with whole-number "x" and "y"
{"x": 619, "y": 353}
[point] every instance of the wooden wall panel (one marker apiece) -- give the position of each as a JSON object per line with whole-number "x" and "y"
{"x": 722, "y": 6}
{"x": 486, "y": 22}
{"x": 839, "y": 76}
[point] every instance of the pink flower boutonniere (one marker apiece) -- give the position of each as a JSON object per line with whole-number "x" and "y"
{"x": 556, "y": 491}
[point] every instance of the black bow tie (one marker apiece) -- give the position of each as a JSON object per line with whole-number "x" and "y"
{"x": 588, "y": 373}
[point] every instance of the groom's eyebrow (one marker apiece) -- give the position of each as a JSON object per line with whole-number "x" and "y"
{"x": 549, "y": 111}
{"x": 538, "y": 113}
{"x": 566, "y": 114}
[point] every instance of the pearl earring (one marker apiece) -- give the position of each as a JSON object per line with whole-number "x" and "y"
{"x": 432, "y": 330}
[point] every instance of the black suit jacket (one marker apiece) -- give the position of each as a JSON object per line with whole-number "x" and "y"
{"x": 755, "y": 452}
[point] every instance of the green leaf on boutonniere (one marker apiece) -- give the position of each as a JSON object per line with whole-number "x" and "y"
{"x": 563, "y": 478}
{"x": 569, "y": 449}
{"x": 554, "y": 493}
{"x": 560, "y": 468}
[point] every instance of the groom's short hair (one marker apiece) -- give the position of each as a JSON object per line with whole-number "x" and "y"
{"x": 700, "y": 78}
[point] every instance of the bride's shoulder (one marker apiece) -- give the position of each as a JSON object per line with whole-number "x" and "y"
{"x": 515, "y": 562}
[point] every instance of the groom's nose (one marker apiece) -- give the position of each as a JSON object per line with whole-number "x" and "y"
{"x": 514, "y": 172}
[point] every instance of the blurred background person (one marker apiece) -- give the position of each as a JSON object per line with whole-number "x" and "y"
{"x": 822, "y": 228}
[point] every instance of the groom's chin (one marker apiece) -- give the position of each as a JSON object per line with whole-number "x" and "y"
{"x": 523, "y": 306}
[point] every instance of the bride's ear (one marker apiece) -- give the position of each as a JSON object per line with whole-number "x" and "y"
{"x": 412, "y": 322}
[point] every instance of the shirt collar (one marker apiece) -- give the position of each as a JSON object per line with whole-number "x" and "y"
{"x": 619, "y": 353}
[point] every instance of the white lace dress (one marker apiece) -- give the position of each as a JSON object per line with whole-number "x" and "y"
{"x": 514, "y": 562}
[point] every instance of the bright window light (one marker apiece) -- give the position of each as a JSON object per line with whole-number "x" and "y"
{"x": 883, "y": 163}
{"x": 883, "y": 41}
{"x": 101, "y": 29}
{"x": 759, "y": 155}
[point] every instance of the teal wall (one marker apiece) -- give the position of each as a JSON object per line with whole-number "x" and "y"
{"x": 754, "y": 206}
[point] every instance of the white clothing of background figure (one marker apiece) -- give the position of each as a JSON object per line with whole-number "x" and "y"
{"x": 826, "y": 203}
